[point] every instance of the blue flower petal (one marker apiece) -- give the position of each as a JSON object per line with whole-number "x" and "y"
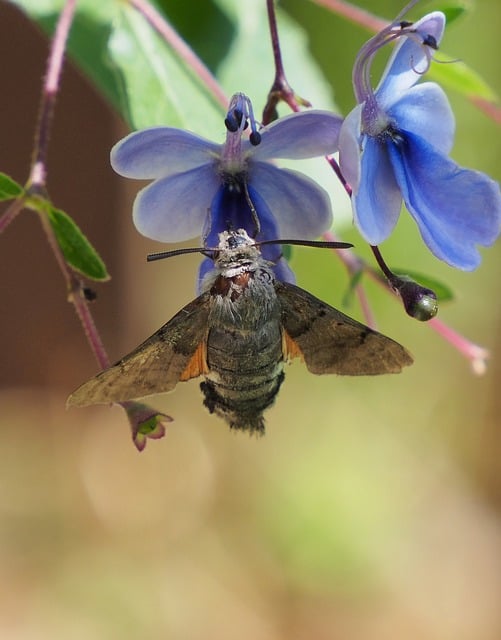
{"x": 410, "y": 59}
{"x": 230, "y": 210}
{"x": 377, "y": 201}
{"x": 300, "y": 135}
{"x": 174, "y": 209}
{"x": 301, "y": 207}
{"x": 455, "y": 208}
{"x": 425, "y": 111}
{"x": 161, "y": 151}
{"x": 349, "y": 147}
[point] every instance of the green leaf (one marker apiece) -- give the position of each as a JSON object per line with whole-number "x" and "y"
{"x": 9, "y": 188}
{"x": 457, "y": 75}
{"x": 451, "y": 8}
{"x": 443, "y": 292}
{"x": 77, "y": 250}
{"x": 133, "y": 67}
{"x": 158, "y": 87}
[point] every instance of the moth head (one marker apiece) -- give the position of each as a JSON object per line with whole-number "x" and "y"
{"x": 236, "y": 249}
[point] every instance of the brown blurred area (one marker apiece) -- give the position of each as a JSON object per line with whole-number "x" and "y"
{"x": 371, "y": 509}
{"x": 41, "y": 341}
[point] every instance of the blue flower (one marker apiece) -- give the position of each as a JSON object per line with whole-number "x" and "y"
{"x": 394, "y": 145}
{"x": 203, "y": 188}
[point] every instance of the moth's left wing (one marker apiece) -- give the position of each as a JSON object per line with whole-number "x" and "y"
{"x": 331, "y": 342}
{"x": 175, "y": 352}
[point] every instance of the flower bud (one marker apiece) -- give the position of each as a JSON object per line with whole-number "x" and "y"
{"x": 419, "y": 302}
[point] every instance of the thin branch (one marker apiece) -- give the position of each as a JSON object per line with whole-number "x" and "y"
{"x": 74, "y": 286}
{"x": 476, "y": 354}
{"x": 11, "y": 212}
{"x": 280, "y": 90}
{"x": 354, "y": 14}
{"x": 38, "y": 174}
{"x": 37, "y": 180}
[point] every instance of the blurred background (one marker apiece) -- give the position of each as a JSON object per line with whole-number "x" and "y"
{"x": 371, "y": 508}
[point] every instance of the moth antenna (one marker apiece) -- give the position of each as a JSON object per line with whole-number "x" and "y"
{"x": 318, "y": 244}
{"x": 179, "y": 252}
{"x": 209, "y": 252}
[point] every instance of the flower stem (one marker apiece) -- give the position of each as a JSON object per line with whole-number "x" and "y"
{"x": 382, "y": 264}
{"x": 354, "y": 14}
{"x": 476, "y": 354}
{"x": 8, "y": 216}
{"x": 280, "y": 89}
{"x": 37, "y": 181}
{"x": 360, "y": 16}
{"x": 38, "y": 175}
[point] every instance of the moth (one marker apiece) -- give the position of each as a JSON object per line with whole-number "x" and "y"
{"x": 238, "y": 334}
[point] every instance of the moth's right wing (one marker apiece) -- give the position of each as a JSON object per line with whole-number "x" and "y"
{"x": 330, "y": 342}
{"x": 175, "y": 352}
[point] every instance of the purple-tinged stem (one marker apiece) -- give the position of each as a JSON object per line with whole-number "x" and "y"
{"x": 11, "y": 212}
{"x": 161, "y": 26}
{"x": 38, "y": 175}
{"x": 382, "y": 264}
{"x": 337, "y": 170}
{"x": 280, "y": 89}
{"x": 354, "y": 14}
{"x": 360, "y": 16}
{"x": 74, "y": 287}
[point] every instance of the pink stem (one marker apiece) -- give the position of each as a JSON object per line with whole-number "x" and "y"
{"x": 75, "y": 296}
{"x": 11, "y": 212}
{"x": 354, "y": 14}
{"x": 474, "y": 353}
{"x": 38, "y": 174}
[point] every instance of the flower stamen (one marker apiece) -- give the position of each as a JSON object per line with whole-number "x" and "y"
{"x": 240, "y": 115}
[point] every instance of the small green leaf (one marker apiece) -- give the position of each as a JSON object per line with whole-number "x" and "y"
{"x": 451, "y": 8}
{"x": 443, "y": 292}
{"x": 457, "y": 75}
{"x": 9, "y": 188}
{"x": 77, "y": 250}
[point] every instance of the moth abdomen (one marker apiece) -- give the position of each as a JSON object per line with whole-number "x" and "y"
{"x": 242, "y": 408}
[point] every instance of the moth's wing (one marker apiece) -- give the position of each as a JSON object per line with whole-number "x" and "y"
{"x": 331, "y": 342}
{"x": 175, "y": 352}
